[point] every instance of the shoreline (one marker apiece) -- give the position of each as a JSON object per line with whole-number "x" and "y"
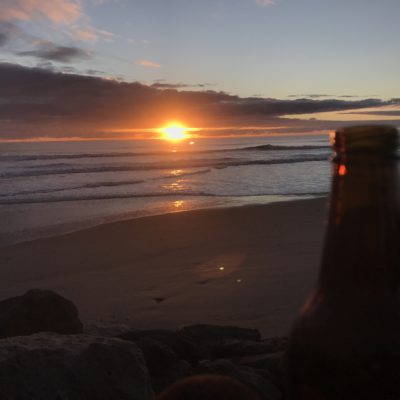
{"x": 250, "y": 266}
{"x": 24, "y": 222}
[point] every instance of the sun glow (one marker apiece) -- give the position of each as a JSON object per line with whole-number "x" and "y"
{"x": 174, "y": 132}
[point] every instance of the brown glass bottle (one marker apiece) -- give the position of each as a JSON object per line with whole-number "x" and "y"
{"x": 346, "y": 343}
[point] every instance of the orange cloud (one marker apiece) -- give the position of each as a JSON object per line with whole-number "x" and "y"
{"x": 148, "y": 64}
{"x": 265, "y": 2}
{"x": 60, "y": 11}
{"x": 87, "y": 35}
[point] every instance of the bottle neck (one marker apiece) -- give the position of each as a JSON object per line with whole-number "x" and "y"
{"x": 362, "y": 246}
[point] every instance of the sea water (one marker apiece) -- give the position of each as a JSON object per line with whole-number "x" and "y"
{"x": 49, "y": 188}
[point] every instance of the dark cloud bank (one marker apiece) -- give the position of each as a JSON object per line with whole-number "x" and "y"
{"x": 39, "y": 102}
{"x": 3, "y": 39}
{"x": 56, "y": 53}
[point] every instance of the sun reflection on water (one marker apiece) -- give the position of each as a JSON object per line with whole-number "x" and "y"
{"x": 175, "y": 186}
{"x": 178, "y": 204}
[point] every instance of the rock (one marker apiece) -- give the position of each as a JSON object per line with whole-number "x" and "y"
{"x": 272, "y": 361}
{"x": 240, "y": 348}
{"x": 208, "y": 337}
{"x": 106, "y": 330}
{"x": 48, "y": 366}
{"x": 259, "y": 382}
{"x": 183, "y": 347}
{"x": 38, "y": 311}
{"x": 164, "y": 365}
{"x": 158, "y": 356}
{"x": 268, "y": 365}
{"x": 210, "y": 334}
{"x": 182, "y": 369}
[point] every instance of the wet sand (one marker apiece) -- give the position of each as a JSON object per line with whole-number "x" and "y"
{"x": 249, "y": 266}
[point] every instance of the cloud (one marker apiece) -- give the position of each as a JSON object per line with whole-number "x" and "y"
{"x": 68, "y": 14}
{"x": 38, "y": 48}
{"x": 161, "y": 85}
{"x": 9, "y": 32}
{"x": 90, "y": 34}
{"x": 313, "y": 96}
{"x": 317, "y": 96}
{"x": 52, "y": 52}
{"x": 384, "y": 113}
{"x": 44, "y": 101}
{"x": 3, "y": 39}
{"x": 180, "y": 85}
{"x": 265, "y": 3}
{"x": 60, "y": 11}
{"x": 277, "y": 107}
{"x": 148, "y": 64}
{"x": 87, "y": 34}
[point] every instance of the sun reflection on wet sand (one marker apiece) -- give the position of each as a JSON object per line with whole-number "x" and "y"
{"x": 221, "y": 266}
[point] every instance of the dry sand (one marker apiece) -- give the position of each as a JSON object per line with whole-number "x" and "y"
{"x": 249, "y": 266}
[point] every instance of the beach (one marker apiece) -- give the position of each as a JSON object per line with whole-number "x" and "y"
{"x": 249, "y": 266}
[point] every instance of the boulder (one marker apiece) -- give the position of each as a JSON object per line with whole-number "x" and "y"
{"x": 209, "y": 337}
{"x": 157, "y": 355}
{"x": 209, "y": 334}
{"x": 273, "y": 362}
{"x": 38, "y": 311}
{"x": 183, "y": 346}
{"x": 48, "y": 366}
{"x": 164, "y": 365}
{"x": 106, "y": 330}
{"x": 259, "y": 382}
{"x": 231, "y": 348}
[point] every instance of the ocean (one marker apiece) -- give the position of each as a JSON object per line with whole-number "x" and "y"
{"x": 48, "y": 188}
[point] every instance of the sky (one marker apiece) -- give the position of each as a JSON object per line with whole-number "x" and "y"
{"x": 118, "y": 67}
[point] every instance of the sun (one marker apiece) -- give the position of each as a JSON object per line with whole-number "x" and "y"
{"x": 174, "y": 131}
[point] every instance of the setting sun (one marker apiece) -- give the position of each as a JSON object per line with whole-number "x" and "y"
{"x": 174, "y": 131}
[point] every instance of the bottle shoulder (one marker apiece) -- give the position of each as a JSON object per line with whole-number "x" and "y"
{"x": 350, "y": 321}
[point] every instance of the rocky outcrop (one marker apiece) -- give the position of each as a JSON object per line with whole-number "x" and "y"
{"x": 74, "y": 367}
{"x": 116, "y": 362}
{"x": 184, "y": 347}
{"x": 206, "y": 334}
{"x": 210, "y": 349}
{"x": 38, "y": 311}
{"x": 257, "y": 380}
{"x": 240, "y": 348}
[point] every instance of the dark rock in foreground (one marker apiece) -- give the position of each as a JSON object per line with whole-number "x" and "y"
{"x": 212, "y": 349}
{"x": 166, "y": 355}
{"x": 239, "y": 348}
{"x": 164, "y": 365}
{"x": 38, "y": 311}
{"x": 75, "y": 367}
{"x": 106, "y": 330}
{"x": 185, "y": 348}
{"x": 257, "y": 380}
{"x": 210, "y": 334}
{"x": 98, "y": 365}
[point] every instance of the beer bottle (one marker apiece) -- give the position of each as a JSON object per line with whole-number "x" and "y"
{"x": 346, "y": 342}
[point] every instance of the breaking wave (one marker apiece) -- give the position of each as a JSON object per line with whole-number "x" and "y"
{"x": 74, "y": 156}
{"x": 63, "y": 169}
